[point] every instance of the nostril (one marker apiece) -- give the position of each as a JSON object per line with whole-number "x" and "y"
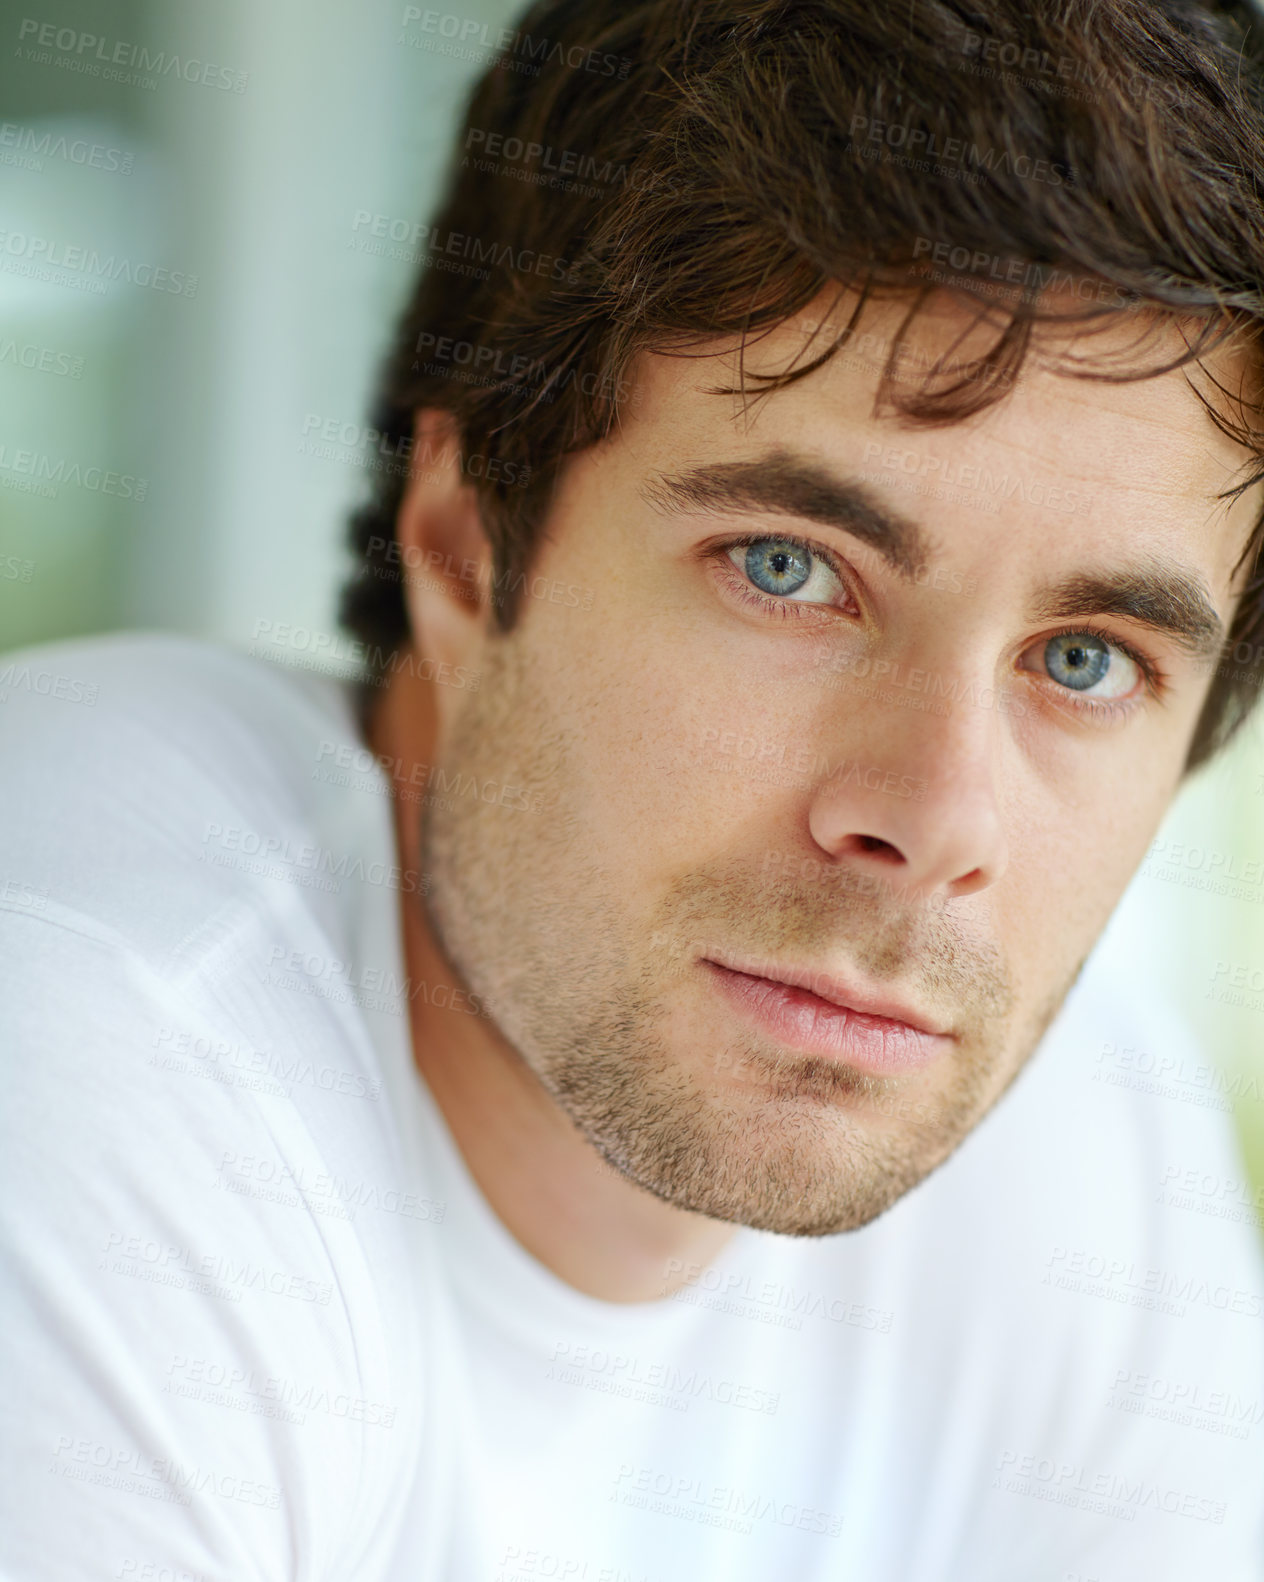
{"x": 872, "y": 844}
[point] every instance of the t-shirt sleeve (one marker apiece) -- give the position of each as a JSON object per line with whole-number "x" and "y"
{"x": 184, "y": 1398}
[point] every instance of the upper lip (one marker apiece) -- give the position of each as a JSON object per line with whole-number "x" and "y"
{"x": 837, "y": 992}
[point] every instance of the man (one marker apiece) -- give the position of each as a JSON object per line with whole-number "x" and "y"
{"x": 549, "y": 1126}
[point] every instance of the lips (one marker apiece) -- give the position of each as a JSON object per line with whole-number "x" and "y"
{"x": 816, "y": 1014}
{"x": 835, "y": 992}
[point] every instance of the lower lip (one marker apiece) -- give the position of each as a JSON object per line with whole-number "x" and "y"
{"x": 802, "y": 1020}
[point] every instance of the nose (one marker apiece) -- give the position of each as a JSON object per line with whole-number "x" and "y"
{"x": 917, "y": 803}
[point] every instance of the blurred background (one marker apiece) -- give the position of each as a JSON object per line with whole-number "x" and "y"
{"x": 248, "y": 174}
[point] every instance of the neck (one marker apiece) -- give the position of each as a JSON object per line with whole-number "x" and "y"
{"x": 577, "y": 1215}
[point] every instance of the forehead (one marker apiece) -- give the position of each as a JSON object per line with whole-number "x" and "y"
{"x": 1143, "y": 456}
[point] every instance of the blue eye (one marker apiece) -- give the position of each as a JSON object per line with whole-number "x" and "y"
{"x": 787, "y": 576}
{"x": 778, "y": 565}
{"x": 1077, "y": 659}
{"x": 1098, "y": 670}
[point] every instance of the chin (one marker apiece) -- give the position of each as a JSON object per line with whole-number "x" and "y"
{"x": 794, "y": 1174}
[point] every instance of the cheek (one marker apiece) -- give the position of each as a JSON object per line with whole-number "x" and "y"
{"x": 678, "y": 757}
{"x": 1071, "y": 858}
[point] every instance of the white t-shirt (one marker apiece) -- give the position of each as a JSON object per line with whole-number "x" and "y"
{"x": 258, "y": 1322}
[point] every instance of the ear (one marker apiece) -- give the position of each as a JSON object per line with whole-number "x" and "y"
{"x": 445, "y": 559}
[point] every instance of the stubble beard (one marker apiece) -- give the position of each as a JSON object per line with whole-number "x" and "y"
{"x": 598, "y": 1006}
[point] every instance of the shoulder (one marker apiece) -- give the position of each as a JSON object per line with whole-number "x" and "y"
{"x": 142, "y": 771}
{"x": 1102, "y": 1322}
{"x": 161, "y": 870}
{"x": 1065, "y": 1204}
{"x": 87, "y": 688}
{"x": 209, "y": 1375}
{"x": 1120, "y": 1105}
{"x": 211, "y": 1305}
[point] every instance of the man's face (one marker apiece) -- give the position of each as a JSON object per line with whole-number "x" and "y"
{"x": 804, "y": 693}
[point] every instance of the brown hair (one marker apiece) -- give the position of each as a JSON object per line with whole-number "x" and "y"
{"x": 657, "y": 173}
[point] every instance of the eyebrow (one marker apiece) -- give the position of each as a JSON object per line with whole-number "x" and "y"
{"x": 1157, "y": 594}
{"x": 792, "y": 486}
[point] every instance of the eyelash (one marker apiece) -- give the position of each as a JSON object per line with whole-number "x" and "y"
{"x": 1102, "y": 710}
{"x": 1098, "y": 709}
{"x": 793, "y": 609}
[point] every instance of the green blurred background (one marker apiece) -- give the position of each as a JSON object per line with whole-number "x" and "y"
{"x": 259, "y": 164}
